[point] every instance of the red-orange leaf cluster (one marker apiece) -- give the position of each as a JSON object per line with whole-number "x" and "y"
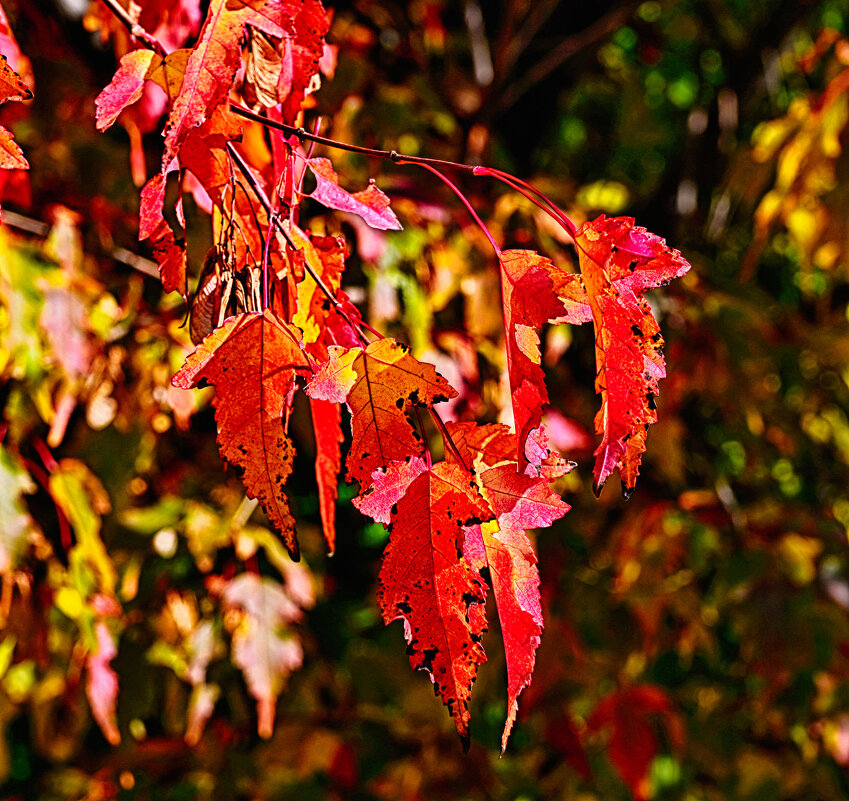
{"x": 269, "y": 309}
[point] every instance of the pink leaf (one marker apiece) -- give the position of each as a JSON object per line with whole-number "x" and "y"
{"x": 370, "y": 204}
{"x": 102, "y": 684}
{"x": 125, "y": 88}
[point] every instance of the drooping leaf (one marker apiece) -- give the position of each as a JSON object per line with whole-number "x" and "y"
{"x": 327, "y": 426}
{"x": 126, "y": 86}
{"x": 528, "y": 295}
{"x": 381, "y": 384}
{"x": 102, "y": 684}
{"x": 252, "y": 361}
{"x": 618, "y": 263}
{"x": 170, "y": 253}
{"x": 519, "y": 502}
{"x": 370, "y": 204}
{"x": 634, "y": 742}
{"x": 262, "y": 647}
{"x": 426, "y": 582}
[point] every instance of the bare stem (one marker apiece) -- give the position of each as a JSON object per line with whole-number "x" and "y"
{"x": 135, "y": 30}
{"x": 466, "y": 203}
{"x": 541, "y": 200}
{"x": 305, "y": 136}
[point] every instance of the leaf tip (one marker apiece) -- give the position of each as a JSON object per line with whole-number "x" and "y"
{"x": 627, "y": 491}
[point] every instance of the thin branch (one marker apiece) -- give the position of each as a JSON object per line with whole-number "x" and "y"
{"x": 557, "y": 55}
{"x": 305, "y": 136}
{"x": 135, "y": 30}
{"x": 447, "y": 439}
{"x": 468, "y": 206}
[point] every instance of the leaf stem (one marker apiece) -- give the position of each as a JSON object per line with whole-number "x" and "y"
{"x": 304, "y": 135}
{"x": 466, "y": 203}
{"x": 447, "y": 439}
{"x": 541, "y": 200}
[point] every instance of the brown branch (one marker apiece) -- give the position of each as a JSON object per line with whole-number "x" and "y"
{"x": 304, "y": 135}
{"x": 135, "y": 30}
{"x": 555, "y": 57}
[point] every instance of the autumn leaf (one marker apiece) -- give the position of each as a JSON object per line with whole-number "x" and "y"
{"x": 325, "y": 256}
{"x": 205, "y": 152}
{"x": 11, "y": 155}
{"x": 426, "y": 582}
{"x": 370, "y": 204}
{"x": 12, "y": 87}
{"x": 634, "y": 742}
{"x": 102, "y": 683}
{"x": 618, "y": 263}
{"x": 529, "y": 299}
{"x": 519, "y": 502}
{"x": 252, "y": 361}
{"x": 170, "y": 254}
{"x": 17, "y": 521}
{"x": 263, "y": 649}
{"x": 381, "y": 385}
{"x": 83, "y": 500}
{"x": 215, "y": 59}
{"x": 388, "y": 486}
{"x": 327, "y": 427}
{"x": 209, "y": 74}
{"x": 126, "y": 86}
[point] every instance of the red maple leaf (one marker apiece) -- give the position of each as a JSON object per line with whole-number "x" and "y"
{"x": 519, "y": 501}
{"x": 12, "y": 87}
{"x": 252, "y": 361}
{"x": 327, "y": 426}
{"x": 634, "y": 740}
{"x": 529, "y": 299}
{"x": 618, "y": 263}
{"x": 381, "y": 385}
{"x": 427, "y": 582}
{"x": 126, "y": 86}
{"x": 169, "y": 252}
{"x": 370, "y": 204}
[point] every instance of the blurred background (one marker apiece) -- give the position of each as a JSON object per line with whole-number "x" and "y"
{"x": 696, "y": 641}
